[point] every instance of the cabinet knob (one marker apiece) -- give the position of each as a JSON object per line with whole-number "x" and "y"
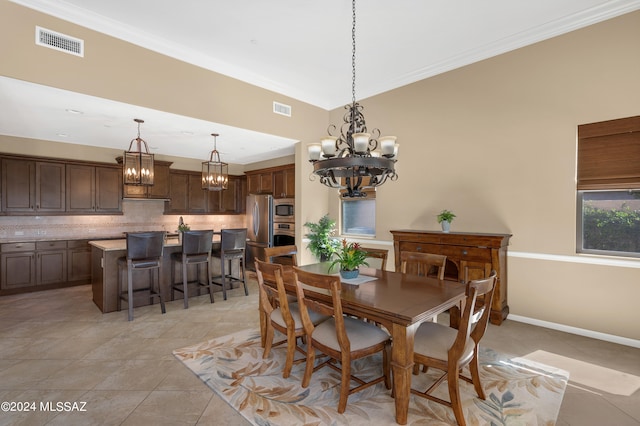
{"x": 419, "y": 248}
{"x": 464, "y": 252}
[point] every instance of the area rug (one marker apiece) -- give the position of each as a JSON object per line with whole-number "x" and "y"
{"x": 518, "y": 393}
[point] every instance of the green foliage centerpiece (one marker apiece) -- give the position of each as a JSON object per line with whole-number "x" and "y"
{"x": 349, "y": 256}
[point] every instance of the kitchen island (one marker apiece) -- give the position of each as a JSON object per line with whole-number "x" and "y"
{"x": 104, "y": 273}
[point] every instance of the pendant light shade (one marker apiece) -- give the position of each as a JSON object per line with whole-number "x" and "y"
{"x": 215, "y": 173}
{"x": 137, "y": 167}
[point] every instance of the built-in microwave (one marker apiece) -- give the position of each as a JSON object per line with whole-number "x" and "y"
{"x": 283, "y": 210}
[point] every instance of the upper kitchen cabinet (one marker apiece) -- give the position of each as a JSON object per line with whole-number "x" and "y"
{"x": 278, "y": 181}
{"x": 230, "y": 200}
{"x": 284, "y": 183}
{"x": 94, "y": 189}
{"x": 160, "y": 188}
{"x": 30, "y": 186}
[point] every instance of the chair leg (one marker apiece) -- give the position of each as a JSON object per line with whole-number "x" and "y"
{"x": 244, "y": 277}
{"x": 268, "y": 340}
{"x": 453, "y": 382}
{"x": 173, "y": 279}
{"x": 119, "y": 301}
{"x": 291, "y": 352}
{"x": 130, "y": 292}
{"x": 162, "y": 307}
{"x": 345, "y": 383}
{"x": 475, "y": 376}
{"x": 308, "y": 369}
{"x": 386, "y": 357}
{"x": 223, "y": 262}
{"x": 185, "y": 285}
{"x": 210, "y": 286}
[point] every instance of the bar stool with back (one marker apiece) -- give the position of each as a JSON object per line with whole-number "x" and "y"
{"x": 144, "y": 252}
{"x": 233, "y": 244}
{"x": 196, "y": 250}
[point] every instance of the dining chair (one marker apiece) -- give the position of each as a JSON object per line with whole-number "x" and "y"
{"x": 233, "y": 244}
{"x": 381, "y": 254}
{"x": 279, "y": 314}
{"x": 450, "y": 350}
{"x": 144, "y": 252}
{"x": 286, "y": 255}
{"x": 342, "y": 338}
{"x": 426, "y": 264}
{"x": 196, "y": 250}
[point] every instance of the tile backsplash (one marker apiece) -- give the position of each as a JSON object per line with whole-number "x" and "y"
{"x": 137, "y": 216}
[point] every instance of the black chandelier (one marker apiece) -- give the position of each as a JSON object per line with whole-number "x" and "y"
{"x": 351, "y": 161}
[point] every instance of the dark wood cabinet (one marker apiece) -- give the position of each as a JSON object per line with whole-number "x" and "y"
{"x": 178, "y": 193}
{"x": 469, "y": 256}
{"x": 17, "y": 265}
{"x": 160, "y": 188}
{"x": 187, "y": 196}
{"x": 78, "y": 261}
{"x": 284, "y": 183}
{"x": 32, "y": 186}
{"x": 51, "y": 262}
{"x": 197, "y": 196}
{"x": 279, "y": 181}
{"x": 93, "y": 189}
{"x": 230, "y": 200}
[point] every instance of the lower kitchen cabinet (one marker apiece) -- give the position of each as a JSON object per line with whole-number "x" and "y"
{"x": 41, "y": 265}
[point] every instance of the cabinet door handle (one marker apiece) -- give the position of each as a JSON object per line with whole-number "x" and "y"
{"x": 464, "y": 252}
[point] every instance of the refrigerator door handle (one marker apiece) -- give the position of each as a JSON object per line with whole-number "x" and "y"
{"x": 256, "y": 216}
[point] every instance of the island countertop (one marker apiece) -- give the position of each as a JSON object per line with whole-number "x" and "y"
{"x": 121, "y": 244}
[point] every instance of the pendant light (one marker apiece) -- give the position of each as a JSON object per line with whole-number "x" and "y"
{"x": 137, "y": 168}
{"x": 215, "y": 173}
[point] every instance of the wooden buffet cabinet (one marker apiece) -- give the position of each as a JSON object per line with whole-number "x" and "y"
{"x": 469, "y": 256}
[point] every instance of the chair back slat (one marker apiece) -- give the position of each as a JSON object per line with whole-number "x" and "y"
{"x": 145, "y": 245}
{"x": 271, "y": 288}
{"x": 381, "y": 254}
{"x": 278, "y": 254}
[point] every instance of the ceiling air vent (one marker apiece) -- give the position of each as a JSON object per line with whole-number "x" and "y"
{"x": 282, "y": 109}
{"x": 61, "y": 42}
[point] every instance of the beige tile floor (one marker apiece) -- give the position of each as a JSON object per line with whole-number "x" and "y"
{"x": 56, "y": 346}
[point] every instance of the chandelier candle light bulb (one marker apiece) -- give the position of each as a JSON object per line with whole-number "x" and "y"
{"x": 314, "y": 151}
{"x": 329, "y": 146}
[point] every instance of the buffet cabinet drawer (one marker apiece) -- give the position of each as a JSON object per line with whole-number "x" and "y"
{"x": 473, "y": 254}
{"x": 51, "y": 245}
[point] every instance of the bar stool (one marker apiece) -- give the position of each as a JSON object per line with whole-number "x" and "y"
{"x": 196, "y": 250}
{"x": 144, "y": 252}
{"x": 232, "y": 246}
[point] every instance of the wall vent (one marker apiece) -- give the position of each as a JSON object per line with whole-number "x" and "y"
{"x": 282, "y": 109}
{"x": 61, "y": 42}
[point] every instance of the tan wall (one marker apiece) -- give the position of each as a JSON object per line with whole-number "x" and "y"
{"x": 496, "y": 143}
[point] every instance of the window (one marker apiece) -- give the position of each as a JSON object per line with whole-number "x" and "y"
{"x": 609, "y": 187}
{"x": 359, "y": 216}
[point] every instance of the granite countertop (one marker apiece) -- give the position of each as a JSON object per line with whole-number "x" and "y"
{"x": 121, "y": 244}
{"x": 21, "y": 239}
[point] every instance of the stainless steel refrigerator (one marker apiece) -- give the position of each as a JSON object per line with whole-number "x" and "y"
{"x": 259, "y": 226}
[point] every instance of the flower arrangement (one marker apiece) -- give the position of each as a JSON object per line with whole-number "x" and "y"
{"x": 350, "y": 256}
{"x": 183, "y": 227}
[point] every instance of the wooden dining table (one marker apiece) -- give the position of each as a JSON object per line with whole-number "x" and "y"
{"x": 399, "y": 302}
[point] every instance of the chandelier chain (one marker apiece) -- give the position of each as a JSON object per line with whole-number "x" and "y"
{"x": 353, "y": 53}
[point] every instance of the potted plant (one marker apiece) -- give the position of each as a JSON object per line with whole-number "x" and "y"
{"x": 445, "y": 218}
{"x": 322, "y": 243}
{"x": 181, "y": 228}
{"x": 349, "y": 256}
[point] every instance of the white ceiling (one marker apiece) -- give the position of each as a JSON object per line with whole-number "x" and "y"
{"x": 300, "y": 48}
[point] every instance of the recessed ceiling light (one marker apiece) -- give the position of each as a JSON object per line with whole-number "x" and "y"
{"x": 62, "y": 135}
{"x": 187, "y": 133}
{"x": 73, "y": 111}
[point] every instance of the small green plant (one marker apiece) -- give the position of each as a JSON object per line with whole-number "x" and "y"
{"x": 446, "y": 215}
{"x": 183, "y": 227}
{"x": 349, "y": 256}
{"x": 322, "y": 243}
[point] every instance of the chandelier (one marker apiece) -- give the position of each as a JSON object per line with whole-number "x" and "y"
{"x": 137, "y": 168}
{"x": 215, "y": 173}
{"x": 351, "y": 161}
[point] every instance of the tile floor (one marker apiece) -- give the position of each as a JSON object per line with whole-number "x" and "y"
{"x": 56, "y": 346}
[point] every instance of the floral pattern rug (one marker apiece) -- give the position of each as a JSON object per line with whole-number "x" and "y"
{"x": 518, "y": 392}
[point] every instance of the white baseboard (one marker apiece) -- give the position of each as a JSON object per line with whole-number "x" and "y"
{"x": 579, "y": 331}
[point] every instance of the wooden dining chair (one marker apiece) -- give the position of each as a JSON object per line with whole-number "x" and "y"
{"x": 381, "y": 254}
{"x": 279, "y": 314}
{"x": 286, "y": 255}
{"x": 426, "y": 264}
{"x": 342, "y": 338}
{"x": 450, "y": 350}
